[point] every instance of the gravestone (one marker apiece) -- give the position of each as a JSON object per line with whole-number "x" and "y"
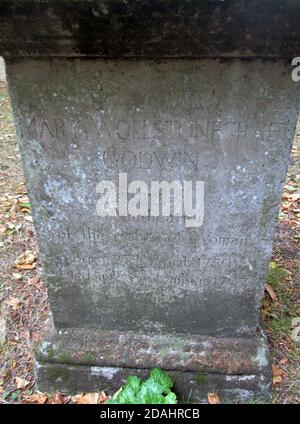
{"x": 132, "y": 94}
{"x": 2, "y": 70}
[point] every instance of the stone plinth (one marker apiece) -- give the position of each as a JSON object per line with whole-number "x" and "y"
{"x": 130, "y": 293}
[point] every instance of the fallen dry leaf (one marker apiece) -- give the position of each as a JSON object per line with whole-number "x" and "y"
{"x": 26, "y": 267}
{"x": 86, "y": 398}
{"x": 17, "y": 275}
{"x": 37, "y": 398}
{"x": 23, "y": 199}
{"x": 276, "y": 371}
{"x": 103, "y": 397}
{"x": 27, "y": 261}
{"x": 59, "y": 398}
{"x": 213, "y": 398}
{"x": 14, "y": 302}
{"x": 277, "y": 380}
{"x": 271, "y": 292}
{"x": 21, "y": 383}
{"x": 3, "y": 230}
{"x": 21, "y": 190}
{"x": 295, "y": 197}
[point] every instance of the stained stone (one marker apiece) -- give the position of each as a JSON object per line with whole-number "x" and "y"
{"x": 129, "y": 293}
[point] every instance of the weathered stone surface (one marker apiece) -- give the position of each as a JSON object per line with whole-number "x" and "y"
{"x": 228, "y": 124}
{"x": 2, "y": 70}
{"x": 172, "y": 352}
{"x": 150, "y": 28}
{"x": 189, "y": 386}
{"x": 76, "y": 360}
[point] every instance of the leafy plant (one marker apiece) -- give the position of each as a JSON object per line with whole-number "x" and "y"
{"x": 155, "y": 390}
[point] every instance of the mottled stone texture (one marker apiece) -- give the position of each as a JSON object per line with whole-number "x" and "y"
{"x": 80, "y": 360}
{"x": 128, "y": 294}
{"x": 150, "y": 28}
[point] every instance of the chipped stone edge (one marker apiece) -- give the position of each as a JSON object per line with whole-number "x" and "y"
{"x": 85, "y": 360}
{"x": 187, "y": 353}
{"x": 189, "y": 387}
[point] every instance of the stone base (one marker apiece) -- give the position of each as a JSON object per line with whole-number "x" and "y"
{"x": 82, "y": 360}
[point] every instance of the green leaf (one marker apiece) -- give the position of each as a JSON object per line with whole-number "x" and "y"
{"x": 151, "y": 388}
{"x": 133, "y": 382}
{"x": 127, "y": 396}
{"x": 162, "y": 378}
{"x": 171, "y": 398}
{"x": 149, "y": 392}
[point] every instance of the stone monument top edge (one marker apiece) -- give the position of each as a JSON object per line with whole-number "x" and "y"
{"x": 156, "y": 28}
